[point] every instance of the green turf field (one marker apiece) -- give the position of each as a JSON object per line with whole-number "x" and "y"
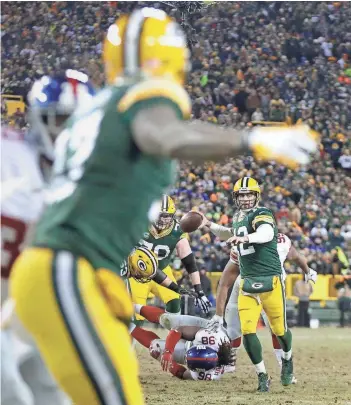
{"x": 322, "y": 368}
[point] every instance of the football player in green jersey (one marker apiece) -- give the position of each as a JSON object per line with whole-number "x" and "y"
{"x": 163, "y": 237}
{"x": 254, "y": 232}
{"x": 113, "y": 162}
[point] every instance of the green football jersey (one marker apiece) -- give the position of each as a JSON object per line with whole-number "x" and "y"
{"x": 257, "y": 259}
{"x": 105, "y": 191}
{"x": 163, "y": 243}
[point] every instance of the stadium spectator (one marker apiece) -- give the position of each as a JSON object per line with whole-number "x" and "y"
{"x": 252, "y": 61}
{"x": 303, "y": 291}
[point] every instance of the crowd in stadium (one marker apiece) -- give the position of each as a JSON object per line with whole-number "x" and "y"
{"x": 251, "y": 62}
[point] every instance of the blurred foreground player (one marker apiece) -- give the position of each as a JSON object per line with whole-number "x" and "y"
{"x": 25, "y": 379}
{"x": 112, "y": 163}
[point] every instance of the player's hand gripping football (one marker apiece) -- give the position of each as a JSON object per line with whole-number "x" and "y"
{"x": 290, "y": 146}
{"x": 205, "y": 221}
{"x": 166, "y": 360}
{"x": 311, "y": 276}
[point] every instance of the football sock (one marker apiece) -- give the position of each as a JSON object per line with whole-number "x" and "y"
{"x": 236, "y": 343}
{"x": 253, "y": 348}
{"x": 275, "y": 342}
{"x": 144, "y": 337}
{"x": 152, "y": 314}
{"x": 172, "y": 339}
{"x": 260, "y": 368}
{"x": 173, "y": 306}
{"x": 286, "y": 344}
{"x": 279, "y": 354}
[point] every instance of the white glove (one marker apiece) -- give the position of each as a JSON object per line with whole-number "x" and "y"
{"x": 202, "y": 302}
{"x": 290, "y": 146}
{"x": 311, "y": 276}
{"x": 215, "y": 323}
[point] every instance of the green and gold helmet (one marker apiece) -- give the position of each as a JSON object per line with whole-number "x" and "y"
{"x": 166, "y": 215}
{"x": 246, "y": 193}
{"x": 142, "y": 264}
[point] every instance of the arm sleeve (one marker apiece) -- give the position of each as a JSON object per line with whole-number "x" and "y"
{"x": 221, "y": 231}
{"x": 189, "y": 263}
{"x": 264, "y": 233}
{"x": 160, "y": 276}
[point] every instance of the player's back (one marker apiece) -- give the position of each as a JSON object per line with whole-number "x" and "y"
{"x": 105, "y": 189}
{"x": 21, "y": 199}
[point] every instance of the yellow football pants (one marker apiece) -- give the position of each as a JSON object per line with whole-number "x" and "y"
{"x": 273, "y": 303}
{"x": 140, "y": 292}
{"x": 61, "y": 301}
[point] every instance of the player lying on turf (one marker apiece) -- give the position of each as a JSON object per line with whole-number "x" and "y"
{"x": 206, "y": 353}
{"x": 231, "y": 274}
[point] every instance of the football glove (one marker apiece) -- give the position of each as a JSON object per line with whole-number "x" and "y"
{"x": 215, "y": 323}
{"x": 311, "y": 276}
{"x": 166, "y": 360}
{"x": 201, "y": 300}
{"x": 289, "y": 146}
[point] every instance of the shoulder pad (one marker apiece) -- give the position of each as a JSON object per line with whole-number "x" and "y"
{"x": 154, "y": 88}
{"x": 264, "y": 215}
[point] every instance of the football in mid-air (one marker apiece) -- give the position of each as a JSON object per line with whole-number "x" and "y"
{"x": 191, "y": 221}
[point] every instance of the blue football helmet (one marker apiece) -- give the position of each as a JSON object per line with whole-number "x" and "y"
{"x": 201, "y": 358}
{"x": 52, "y": 100}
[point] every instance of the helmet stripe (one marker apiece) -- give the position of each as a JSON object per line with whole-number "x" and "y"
{"x": 246, "y": 182}
{"x": 165, "y": 203}
{"x": 133, "y": 31}
{"x": 150, "y": 255}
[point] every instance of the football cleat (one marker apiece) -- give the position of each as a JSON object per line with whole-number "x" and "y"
{"x": 264, "y": 381}
{"x": 287, "y": 373}
{"x": 155, "y": 350}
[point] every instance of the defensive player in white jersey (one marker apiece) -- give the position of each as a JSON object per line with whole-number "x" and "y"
{"x": 231, "y": 274}
{"x": 206, "y": 353}
{"x": 24, "y": 377}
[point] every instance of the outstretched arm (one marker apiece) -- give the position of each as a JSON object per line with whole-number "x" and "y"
{"x": 301, "y": 261}
{"x": 158, "y": 131}
{"x": 162, "y": 279}
{"x": 188, "y": 259}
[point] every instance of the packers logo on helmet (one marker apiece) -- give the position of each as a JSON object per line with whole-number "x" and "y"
{"x": 246, "y": 193}
{"x": 142, "y": 264}
{"x": 167, "y": 212}
{"x": 146, "y": 41}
